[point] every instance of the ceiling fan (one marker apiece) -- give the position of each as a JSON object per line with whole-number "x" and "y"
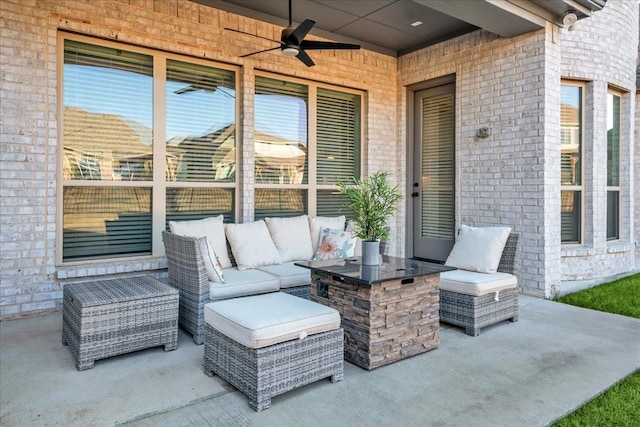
{"x": 292, "y": 41}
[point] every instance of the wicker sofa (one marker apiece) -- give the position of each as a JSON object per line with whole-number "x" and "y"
{"x": 474, "y": 300}
{"x": 187, "y": 255}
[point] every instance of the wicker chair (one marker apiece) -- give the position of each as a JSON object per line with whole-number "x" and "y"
{"x": 475, "y": 312}
{"x": 188, "y": 274}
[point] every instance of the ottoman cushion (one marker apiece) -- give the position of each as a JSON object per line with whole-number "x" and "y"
{"x": 263, "y": 320}
{"x": 476, "y": 284}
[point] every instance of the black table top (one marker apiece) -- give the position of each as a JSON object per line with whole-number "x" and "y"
{"x": 390, "y": 268}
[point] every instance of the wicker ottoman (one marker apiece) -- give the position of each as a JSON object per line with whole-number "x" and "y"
{"x": 268, "y": 344}
{"x": 104, "y": 318}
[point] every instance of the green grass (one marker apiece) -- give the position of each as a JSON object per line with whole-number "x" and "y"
{"x": 619, "y": 297}
{"x": 620, "y": 405}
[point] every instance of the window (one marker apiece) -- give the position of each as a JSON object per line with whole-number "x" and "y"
{"x": 145, "y": 139}
{"x": 296, "y": 169}
{"x": 571, "y": 131}
{"x": 613, "y": 165}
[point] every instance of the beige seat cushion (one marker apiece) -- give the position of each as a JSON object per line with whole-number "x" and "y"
{"x": 241, "y": 283}
{"x": 476, "y": 284}
{"x": 262, "y": 320}
{"x": 289, "y": 274}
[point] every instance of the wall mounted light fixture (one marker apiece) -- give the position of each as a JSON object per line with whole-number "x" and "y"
{"x": 483, "y": 133}
{"x": 570, "y": 17}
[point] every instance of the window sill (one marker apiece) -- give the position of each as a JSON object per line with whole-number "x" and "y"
{"x": 109, "y": 268}
{"x": 580, "y": 251}
{"x": 617, "y": 247}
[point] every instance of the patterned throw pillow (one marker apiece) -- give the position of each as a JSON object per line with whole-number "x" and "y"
{"x": 211, "y": 261}
{"x": 335, "y": 244}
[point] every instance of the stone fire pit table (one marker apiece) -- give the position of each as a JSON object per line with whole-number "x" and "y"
{"x": 389, "y": 312}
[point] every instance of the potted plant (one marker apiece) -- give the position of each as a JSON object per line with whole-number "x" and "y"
{"x": 373, "y": 200}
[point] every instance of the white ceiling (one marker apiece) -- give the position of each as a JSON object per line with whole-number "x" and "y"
{"x": 385, "y": 25}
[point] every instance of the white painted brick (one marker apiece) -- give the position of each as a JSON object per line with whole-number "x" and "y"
{"x": 500, "y": 83}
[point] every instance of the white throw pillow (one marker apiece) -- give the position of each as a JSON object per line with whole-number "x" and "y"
{"x": 212, "y": 228}
{"x": 478, "y": 248}
{"x": 335, "y": 244}
{"x": 251, "y": 245}
{"x": 211, "y": 261}
{"x": 319, "y": 222}
{"x": 291, "y": 237}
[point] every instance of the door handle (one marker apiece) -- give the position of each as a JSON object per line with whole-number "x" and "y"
{"x": 414, "y": 194}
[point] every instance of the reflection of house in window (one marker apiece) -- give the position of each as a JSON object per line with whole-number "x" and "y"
{"x": 570, "y": 144}
{"x": 213, "y": 157}
{"x": 105, "y": 147}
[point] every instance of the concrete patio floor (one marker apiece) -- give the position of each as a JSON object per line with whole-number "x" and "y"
{"x": 529, "y": 373}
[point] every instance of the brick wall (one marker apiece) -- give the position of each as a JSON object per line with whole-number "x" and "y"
{"x": 508, "y": 85}
{"x": 512, "y": 86}
{"x": 502, "y": 180}
{"x": 634, "y": 183}
{"x": 31, "y": 280}
{"x": 609, "y": 40}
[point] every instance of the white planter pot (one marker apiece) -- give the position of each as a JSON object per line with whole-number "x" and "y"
{"x": 370, "y": 253}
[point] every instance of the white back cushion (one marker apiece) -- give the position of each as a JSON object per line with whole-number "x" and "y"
{"x": 319, "y": 222}
{"x": 478, "y": 248}
{"x": 212, "y": 228}
{"x": 251, "y": 245}
{"x": 291, "y": 237}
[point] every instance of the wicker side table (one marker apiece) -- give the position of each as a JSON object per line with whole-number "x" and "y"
{"x": 105, "y": 318}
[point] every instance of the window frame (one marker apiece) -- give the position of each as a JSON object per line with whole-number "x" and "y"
{"x": 312, "y": 187}
{"x": 614, "y": 188}
{"x": 582, "y": 186}
{"x": 158, "y": 184}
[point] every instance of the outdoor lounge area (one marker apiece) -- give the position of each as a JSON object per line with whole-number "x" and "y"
{"x": 528, "y": 373}
{"x": 130, "y": 126}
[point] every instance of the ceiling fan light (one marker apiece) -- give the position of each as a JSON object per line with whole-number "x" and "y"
{"x": 290, "y": 51}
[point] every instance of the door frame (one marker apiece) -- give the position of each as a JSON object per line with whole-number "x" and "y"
{"x": 410, "y": 126}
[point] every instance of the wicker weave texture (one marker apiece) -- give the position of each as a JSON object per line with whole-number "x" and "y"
{"x": 106, "y": 318}
{"x": 475, "y": 312}
{"x": 266, "y": 372}
{"x": 187, "y": 273}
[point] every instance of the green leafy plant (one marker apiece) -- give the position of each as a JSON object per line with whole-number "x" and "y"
{"x": 373, "y": 200}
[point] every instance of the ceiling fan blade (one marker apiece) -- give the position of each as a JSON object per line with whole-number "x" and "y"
{"x": 317, "y": 45}
{"x": 260, "y": 51}
{"x": 301, "y": 31}
{"x": 253, "y": 35}
{"x": 306, "y": 59}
